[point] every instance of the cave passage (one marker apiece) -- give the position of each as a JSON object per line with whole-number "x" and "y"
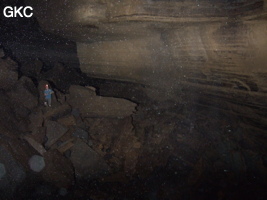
{"x": 154, "y": 99}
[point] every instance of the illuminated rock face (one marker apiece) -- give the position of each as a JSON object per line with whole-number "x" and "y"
{"x": 151, "y": 41}
{"x": 205, "y": 51}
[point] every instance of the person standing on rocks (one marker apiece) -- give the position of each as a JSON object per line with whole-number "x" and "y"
{"x": 48, "y": 95}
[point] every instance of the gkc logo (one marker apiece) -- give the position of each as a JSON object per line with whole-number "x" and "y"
{"x": 20, "y": 11}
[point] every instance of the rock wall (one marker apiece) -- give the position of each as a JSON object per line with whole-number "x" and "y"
{"x": 162, "y": 41}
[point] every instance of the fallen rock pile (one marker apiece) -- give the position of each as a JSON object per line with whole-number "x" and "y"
{"x": 53, "y": 143}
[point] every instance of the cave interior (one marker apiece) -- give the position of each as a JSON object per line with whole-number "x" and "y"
{"x": 153, "y": 99}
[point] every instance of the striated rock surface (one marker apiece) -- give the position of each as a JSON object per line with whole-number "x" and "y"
{"x": 148, "y": 40}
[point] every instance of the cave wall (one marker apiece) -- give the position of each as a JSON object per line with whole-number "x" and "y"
{"x": 151, "y": 41}
{"x": 199, "y": 53}
{"x": 189, "y": 52}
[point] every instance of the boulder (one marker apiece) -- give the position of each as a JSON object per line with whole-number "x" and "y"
{"x": 54, "y": 131}
{"x": 20, "y": 111}
{"x": 58, "y": 170}
{"x": 25, "y": 93}
{"x": 65, "y": 146}
{"x": 36, "y": 119}
{"x": 37, "y": 163}
{"x": 8, "y": 73}
{"x": 105, "y": 131}
{"x": 91, "y": 105}
{"x": 39, "y": 135}
{"x": 61, "y": 97}
{"x": 57, "y": 112}
{"x": 8, "y": 118}
{"x": 87, "y": 163}
{"x": 37, "y": 146}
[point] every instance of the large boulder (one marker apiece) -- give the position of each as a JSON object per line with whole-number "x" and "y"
{"x": 39, "y": 135}
{"x": 25, "y": 93}
{"x": 87, "y": 163}
{"x": 36, "y": 120}
{"x": 8, "y": 73}
{"x": 91, "y": 105}
{"x": 68, "y": 120}
{"x": 54, "y": 131}
{"x": 7, "y": 118}
{"x": 57, "y": 112}
{"x": 37, "y": 146}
